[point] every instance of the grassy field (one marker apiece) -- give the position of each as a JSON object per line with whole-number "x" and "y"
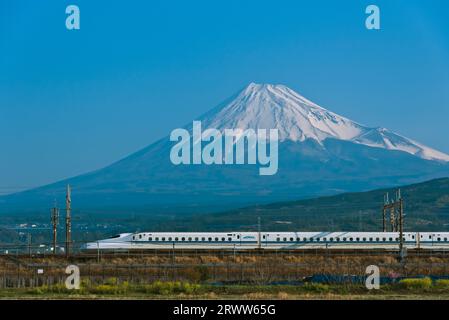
{"x": 217, "y": 276}
{"x": 422, "y": 288}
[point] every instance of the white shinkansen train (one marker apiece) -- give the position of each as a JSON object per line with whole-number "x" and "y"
{"x": 271, "y": 240}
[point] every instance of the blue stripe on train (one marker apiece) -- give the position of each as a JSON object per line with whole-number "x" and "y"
{"x": 290, "y": 242}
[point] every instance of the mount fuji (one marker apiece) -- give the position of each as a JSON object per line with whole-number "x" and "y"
{"x": 320, "y": 153}
{"x": 298, "y": 119}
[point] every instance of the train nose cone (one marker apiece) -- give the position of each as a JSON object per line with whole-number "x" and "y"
{"x": 89, "y": 245}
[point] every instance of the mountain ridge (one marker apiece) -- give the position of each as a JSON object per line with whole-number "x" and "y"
{"x": 426, "y": 207}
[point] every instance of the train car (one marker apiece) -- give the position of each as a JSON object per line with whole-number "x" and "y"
{"x": 270, "y": 240}
{"x": 177, "y": 240}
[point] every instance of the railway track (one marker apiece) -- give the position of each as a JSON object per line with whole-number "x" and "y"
{"x": 230, "y": 252}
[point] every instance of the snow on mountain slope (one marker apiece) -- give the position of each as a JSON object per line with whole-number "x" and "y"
{"x": 383, "y": 138}
{"x": 266, "y": 106}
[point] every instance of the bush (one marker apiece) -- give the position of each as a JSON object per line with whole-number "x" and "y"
{"x": 111, "y": 286}
{"x": 85, "y": 282}
{"x": 316, "y": 287}
{"x": 104, "y": 289}
{"x": 111, "y": 281}
{"x": 416, "y": 283}
{"x": 45, "y": 289}
{"x": 171, "y": 287}
{"x": 442, "y": 284}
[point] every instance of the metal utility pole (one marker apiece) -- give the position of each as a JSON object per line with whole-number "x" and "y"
{"x": 392, "y": 206}
{"x": 259, "y": 233}
{"x": 384, "y": 213}
{"x": 68, "y": 222}
{"x": 396, "y": 220}
{"x": 393, "y": 218}
{"x": 55, "y": 222}
{"x": 29, "y": 244}
{"x": 401, "y": 221}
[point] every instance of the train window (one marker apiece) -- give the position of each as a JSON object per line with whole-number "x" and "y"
{"x": 298, "y": 239}
{"x": 229, "y": 239}
{"x": 163, "y": 238}
{"x": 223, "y": 239}
{"x": 391, "y": 239}
{"x": 140, "y": 236}
{"x": 430, "y": 237}
{"x": 169, "y": 238}
{"x": 364, "y": 239}
{"x": 291, "y": 239}
{"x": 134, "y": 237}
{"x": 370, "y": 239}
{"x": 344, "y": 239}
{"x": 331, "y": 239}
{"x": 203, "y": 239}
{"x": 445, "y": 239}
{"x": 397, "y": 239}
{"x": 278, "y": 239}
{"x": 413, "y": 237}
{"x": 285, "y": 239}
{"x": 176, "y": 239}
{"x": 377, "y": 239}
{"x": 210, "y": 239}
{"x": 357, "y": 239}
{"x": 216, "y": 239}
{"x": 183, "y": 239}
{"x": 439, "y": 239}
{"x": 238, "y": 236}
{"x": 311, "y": 239}
{"x": 337, "y": 239}
{"x": 196, "y": 238}
{"x": 190, "y": 238}
{"x": 150, "y": 239}
{"x": 350, "y": 239}
{"x": 157, "y": 239}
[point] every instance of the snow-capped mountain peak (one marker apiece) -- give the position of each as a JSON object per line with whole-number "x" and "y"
{"x": 267, "y": 106}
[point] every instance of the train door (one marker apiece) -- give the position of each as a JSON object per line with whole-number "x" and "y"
{"x": 264, "y": 240}
{"x": 418, "y": 236}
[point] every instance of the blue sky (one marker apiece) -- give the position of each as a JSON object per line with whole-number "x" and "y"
{"x": 74, "y": 101}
